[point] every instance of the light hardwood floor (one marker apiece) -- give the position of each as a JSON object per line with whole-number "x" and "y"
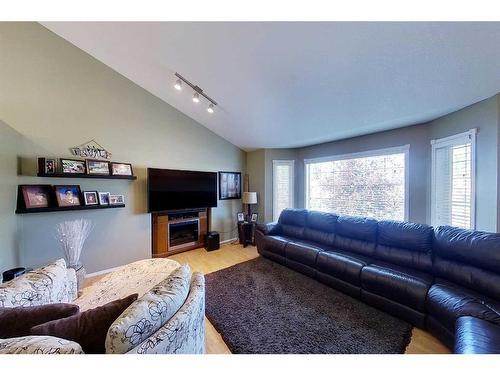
{"x": 230, "y": 254}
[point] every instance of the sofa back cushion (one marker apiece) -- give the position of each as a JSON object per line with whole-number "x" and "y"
{"x": 469, "y": 258}
{"x": 149, "y": 313}
{"x": 292, "y": 222}
{"x": 320, "y": 227}
{"x": 405, "y": 244}
{"x": 357, "y": 234}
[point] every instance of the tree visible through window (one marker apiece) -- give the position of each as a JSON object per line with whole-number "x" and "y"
{"x": 371, "y": 186}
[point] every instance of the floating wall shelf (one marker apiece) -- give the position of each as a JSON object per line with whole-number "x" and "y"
{"x": 69, "y": 175}
{"x": 58, "y": 209}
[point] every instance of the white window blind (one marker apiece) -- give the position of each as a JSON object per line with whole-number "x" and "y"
{"x": 453, "y": 175}
{"x": 283, "y": 179}
{"x": 372, "y": 184}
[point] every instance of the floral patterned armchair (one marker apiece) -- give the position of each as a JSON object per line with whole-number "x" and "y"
{"x": 183, "y": 333}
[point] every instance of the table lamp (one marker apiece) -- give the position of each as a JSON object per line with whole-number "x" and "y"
{"x": 249, "y": 197}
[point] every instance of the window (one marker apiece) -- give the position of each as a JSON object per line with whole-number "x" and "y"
{"x": 453, "y": 180}
{"x": 283, "y": 195}
{"x": 372, "y": 184}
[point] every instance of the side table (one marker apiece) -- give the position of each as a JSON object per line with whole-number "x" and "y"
{"x": 246, "y": 233}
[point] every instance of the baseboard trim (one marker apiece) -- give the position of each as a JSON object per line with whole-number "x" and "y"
{"x": 102, "y": 272}
{"x": 228, "y": 241}
{"x": 115, "y": 268}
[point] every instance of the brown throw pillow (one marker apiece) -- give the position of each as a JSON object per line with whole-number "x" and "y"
{"x": 88, "y": 328}
{"x": 18, "y": 321}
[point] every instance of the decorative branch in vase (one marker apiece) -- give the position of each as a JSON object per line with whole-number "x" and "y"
{"x": 71, "y": 235}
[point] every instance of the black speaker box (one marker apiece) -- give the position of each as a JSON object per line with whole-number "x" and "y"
{"x": 213, "y": 241}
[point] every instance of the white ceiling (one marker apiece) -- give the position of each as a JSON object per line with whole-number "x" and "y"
{"x": 296, "y": 84}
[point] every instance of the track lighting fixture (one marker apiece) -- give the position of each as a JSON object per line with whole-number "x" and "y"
{"x": 198, "y": 92}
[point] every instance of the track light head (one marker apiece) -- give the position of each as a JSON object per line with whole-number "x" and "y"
{"x": 196, "y": 97}
{"x": 178, "y": 85}
{"x": 210, "y": 108}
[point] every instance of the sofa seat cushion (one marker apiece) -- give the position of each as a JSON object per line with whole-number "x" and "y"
{"x": 476, "y": 336}
{"x": 304, "y": 252}
{"x": 401, "y": 284}
{"x": 276, "y": 244}
{"x": 341, "y": 264}
{"x": 447, "y": 302}
{"x": 137, "y": 277}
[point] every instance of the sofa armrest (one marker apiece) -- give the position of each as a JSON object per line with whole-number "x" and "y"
{"x": 269, "y": 228}
{"x": 50, "y": 284}
{"x": 476, "y": 336}
{"x": 184, "y": 333}
{"x": 39, "y": 345}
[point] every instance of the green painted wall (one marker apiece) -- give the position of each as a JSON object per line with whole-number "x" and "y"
{"x": 55, "y": 96}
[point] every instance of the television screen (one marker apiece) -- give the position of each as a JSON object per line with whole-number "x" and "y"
{"x": 170, "y": 189}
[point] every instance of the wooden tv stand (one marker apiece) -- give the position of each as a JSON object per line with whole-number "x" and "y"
{"x": 171, "y": 223}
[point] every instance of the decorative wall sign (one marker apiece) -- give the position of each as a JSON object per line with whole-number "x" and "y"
{"x": 92, "y": 150}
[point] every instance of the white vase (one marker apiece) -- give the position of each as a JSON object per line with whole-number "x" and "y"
{"x": 80, "y": 275}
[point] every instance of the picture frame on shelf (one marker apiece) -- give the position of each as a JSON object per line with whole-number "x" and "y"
{"x": 97, "y": 167}
{"x": 240, "y": 217}
{"x": 72, "y": 166}
{"x": 229, "y": 185}
{"x": 47, "y": 166}
{"x": 36, "y": 196}
{"x": 68, "y": 195}
{"x": 254, "y": 217}
{"x": 90, "y": 198}
{"x": 103, "y": 198}
{"x": 116, "y": 199}
{"x": 121, "y": 169}
{"x": 50, "y": 166}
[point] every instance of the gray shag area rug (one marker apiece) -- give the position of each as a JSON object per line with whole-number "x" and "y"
{"x": 260, "y": 306}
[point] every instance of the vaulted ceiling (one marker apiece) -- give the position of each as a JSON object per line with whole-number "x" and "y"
{"x": 295, "y": 84}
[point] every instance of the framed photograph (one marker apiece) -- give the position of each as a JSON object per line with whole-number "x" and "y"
{"x": 90, "y": 198}
{"x": 229, "y": 185}
{"x": 121, "y": 169}
{"x": 71, "y": 166}
{"x": 254, "y": 218}
{"x": 50, "y": 166}
{"x": 241, "y": 217}
{"x": 97, "y": 167}
{"x": 68, "y": 195}
{"x": 103, "y": 198}
{"x": 116, "y": 199}
{"x": 36, "y": 196}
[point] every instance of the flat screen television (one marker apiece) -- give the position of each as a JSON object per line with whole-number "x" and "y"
{"x": 170, "y": 189}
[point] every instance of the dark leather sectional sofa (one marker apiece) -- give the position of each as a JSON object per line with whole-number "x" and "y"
{"x": 445, "y": 280}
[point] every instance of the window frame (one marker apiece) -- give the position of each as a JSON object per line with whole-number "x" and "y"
{"x": 404, "y": 149}
{"x": 454, "y": 140}
{"x": 291, "y": 164}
